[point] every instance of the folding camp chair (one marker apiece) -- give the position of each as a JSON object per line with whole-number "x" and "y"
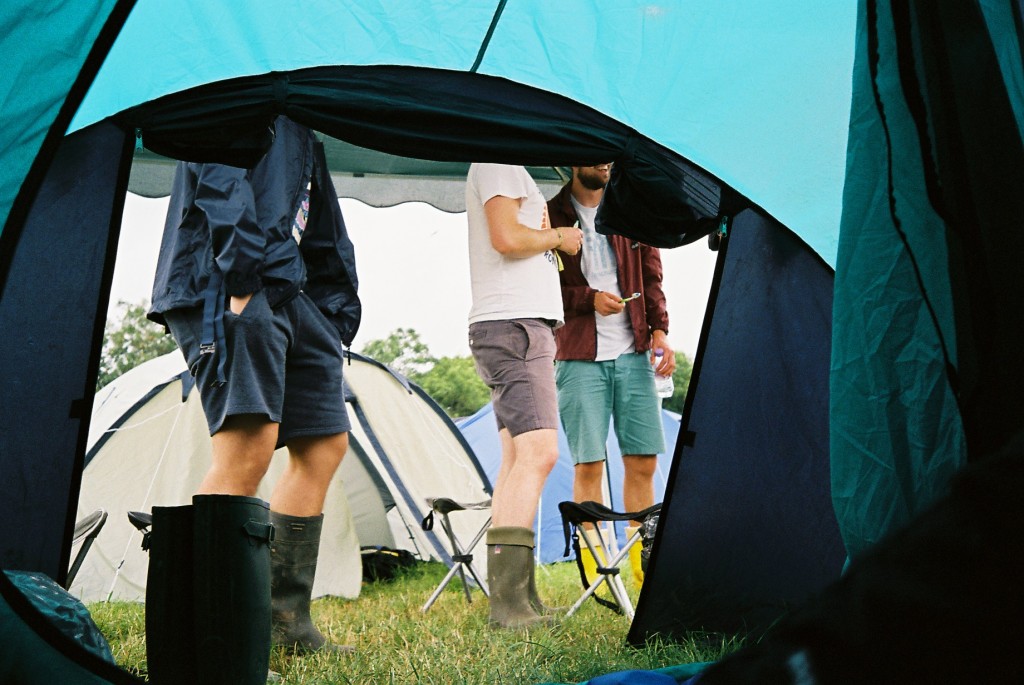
{"x": 574, "y": 514}
{"x": 462, "y": 557}
{"x": 86, "y": 531}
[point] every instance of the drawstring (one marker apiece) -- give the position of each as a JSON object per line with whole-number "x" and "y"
{"x": 213, "y": 324}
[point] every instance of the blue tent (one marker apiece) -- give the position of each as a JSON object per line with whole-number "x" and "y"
{"x": 481, "y": 432}
{"x": 878, "y": 139}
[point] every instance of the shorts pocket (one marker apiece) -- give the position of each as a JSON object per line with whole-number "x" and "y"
{"x": 540, "y": 341}
{"x": 254, "y": 308}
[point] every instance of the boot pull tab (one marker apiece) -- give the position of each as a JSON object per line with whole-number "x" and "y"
{"x": 261, "y": 531}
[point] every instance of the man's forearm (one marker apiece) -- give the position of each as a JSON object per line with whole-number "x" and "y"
{"x": 519, "y": 241}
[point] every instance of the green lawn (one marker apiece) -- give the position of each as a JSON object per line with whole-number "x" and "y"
{"x": 451, "y": 644}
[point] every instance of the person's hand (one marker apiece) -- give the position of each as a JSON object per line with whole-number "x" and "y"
{"x": 668, "y": 362}
{"x": 238, "y": 303}
{"x": 606, "y": 303}
{"x": 545, "y": 220}
{"x": 572, "y": 240}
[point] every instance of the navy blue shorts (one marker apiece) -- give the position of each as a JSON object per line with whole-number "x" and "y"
{"x": 283, "y": 362}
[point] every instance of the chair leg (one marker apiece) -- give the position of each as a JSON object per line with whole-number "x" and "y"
{"x": 593, "y": 554}
{"x": 457, "y": 555}
{"x": 440, "y": 588}
{"x": 635, "y": 560}
{"x": 618, "y": 589}
{"x": 462, "y": 562}
{"x": 595, "y": 547}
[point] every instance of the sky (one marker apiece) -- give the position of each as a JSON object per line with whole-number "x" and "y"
{"x": 413, "y": 267}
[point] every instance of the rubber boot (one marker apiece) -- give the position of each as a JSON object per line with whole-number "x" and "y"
{"x": 232, "y": 589}
{"x": 590, "y": 563}
{"x": 170, "y": 641}
{"x": 293, "y": 558}
{"x": 535, "y": 601}
{"x": 635, "y": 560}
{"x": 509, "y": 562}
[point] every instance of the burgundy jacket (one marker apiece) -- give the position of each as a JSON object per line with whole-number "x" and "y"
{"x": 639, "y": 271}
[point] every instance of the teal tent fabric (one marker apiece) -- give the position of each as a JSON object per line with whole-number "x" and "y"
{"x": 891, "y": 406}
{"x": 59, "y": 41}
{"x": 682, "y": 673}
{"x": 710, "y": 80}
{"x": 926, "y": 368}
{"x": 1001, "y": 18}
{"x": 36, "y": 652}
{"x": 63, "y": 611}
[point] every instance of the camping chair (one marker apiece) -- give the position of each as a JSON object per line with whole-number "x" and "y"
{"x": 574, "y": 514}
{"x": 462, "y": 557}
{"x": 86, "y": 531}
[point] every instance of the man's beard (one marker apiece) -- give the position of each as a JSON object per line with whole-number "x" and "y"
{"x": 591, "y": 181}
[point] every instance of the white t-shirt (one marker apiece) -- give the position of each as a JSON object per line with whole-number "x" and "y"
{"x": 601, "y": 269}
{"x": 507, "y": 287}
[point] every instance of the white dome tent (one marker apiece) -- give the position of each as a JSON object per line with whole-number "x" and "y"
{"x": 149, "y": 445}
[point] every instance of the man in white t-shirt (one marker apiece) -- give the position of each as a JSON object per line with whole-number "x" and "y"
{"x": 615, "y": 320}
{"x": 517, "y": 304}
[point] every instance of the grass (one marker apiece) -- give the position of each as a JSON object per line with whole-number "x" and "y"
{"x": 450, "y": 644}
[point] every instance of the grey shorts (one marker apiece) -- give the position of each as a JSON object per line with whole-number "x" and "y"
{"x": 515, "y": 358}
{"x": 283, "y": 362}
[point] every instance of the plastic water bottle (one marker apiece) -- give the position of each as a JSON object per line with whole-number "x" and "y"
{"x": 662, "y": 384}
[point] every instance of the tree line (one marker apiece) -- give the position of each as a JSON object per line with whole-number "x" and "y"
{"x": 130, "y": 339}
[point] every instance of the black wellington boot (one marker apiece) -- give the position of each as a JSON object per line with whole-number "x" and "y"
{"x": 232, "y": 589}
{"x": 293, "y": 557}
{"x": 170, "y": 642}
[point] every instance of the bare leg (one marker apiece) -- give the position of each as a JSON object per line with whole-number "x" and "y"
{"x": 526, "y": 461}
{"x": 296, "y": 507}
{"x": 588, "y": 484}
{"x": 312, "y": 461}
{"x": 508, "y": 460}
{"x": 638, "y": 482}
{"x": 241, "y": 455}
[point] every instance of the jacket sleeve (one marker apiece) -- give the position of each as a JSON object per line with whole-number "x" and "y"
{"x": 654, "y": 295}
{"x": 331, "y": 279}
{"x": 224, "y": 195}
{"x": 577, "y": 295}
{"x": 577, "y": 299}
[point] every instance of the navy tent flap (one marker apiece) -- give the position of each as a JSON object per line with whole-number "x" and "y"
{"x": 56, "y": 299}
{"x": 655, "y": 195}
{"x": 747, "y": 527}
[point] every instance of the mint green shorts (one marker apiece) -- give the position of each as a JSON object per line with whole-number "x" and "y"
{"x": 620, "y": 391}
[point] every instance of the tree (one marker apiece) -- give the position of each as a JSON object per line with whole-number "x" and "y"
{"x": 681, "y": 383}
{"x": 128, "y": 340}
{"x": 403, "y": 351}
{"x": 455, "y": 385}
{"x": 451, "y": 381}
